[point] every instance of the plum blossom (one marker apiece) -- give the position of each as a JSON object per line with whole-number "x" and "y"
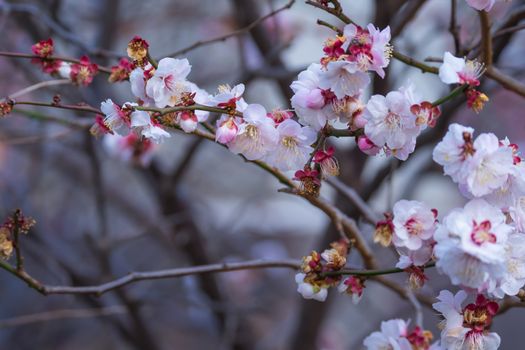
{"x": 116, "y": 119}
{"x": 343, "y": 78}
{"x": 414, "y": 223}
{"x": 293, "y": 148}
{"x": 256, "y": 136}
{"x": 230, "y": 98}
{"x": 390, "y": 124}
{"x": 82, "y": 73}
{"x": 227, "y": 128}
{"x": 381, "y": 49}
{"x": 466, "y": 328}
{"x": 369, "y": 48}
{"x": 455, "y": 151}
{"x": 143, "y": 124}
{"x": 470, "y": 245}
{"x": 189, "y": 119}
{"x": 353, "y": 286}
{"x": 392, "y": 336}
{"x": 311, "y": 103}
{"x": 455, "y": 70}
{"x": 168, "y": 81}
{"x": 138, "y": 78}
{"x": 481, "y": 166}
{"x": 493, "y": 165}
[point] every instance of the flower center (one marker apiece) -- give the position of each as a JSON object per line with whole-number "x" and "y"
{"x": 289, "y": 142}
{"x": 413, "y": 226}
{"x": 481, "y": 233}
{"x": 393, "y": 120}
{"x": 252, "y": 132}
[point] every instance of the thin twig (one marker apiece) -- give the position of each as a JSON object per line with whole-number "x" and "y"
{"x": 241, "y": 31}
{"x": 133, "y": 277}
{"x": 62, "y": 314}
{"x": 37, "y": 86}
{"x": 352, "y": 195}
{"x": 80, "y": 108}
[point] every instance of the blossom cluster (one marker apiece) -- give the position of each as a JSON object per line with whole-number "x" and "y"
{"x": 317, "y": 276}
{"x": 480, "y": 247}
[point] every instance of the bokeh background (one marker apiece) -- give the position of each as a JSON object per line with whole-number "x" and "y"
{"x": 100, "y": 216}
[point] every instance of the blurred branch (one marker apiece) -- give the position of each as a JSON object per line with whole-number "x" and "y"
{"x": 237, "y": 32}
{"x": 37, "y": 86}
{"x": 57, "y": 28}
{"x": 77, "y": 124}
{"x": 61, "y": 315}
{"x": 506, "y": 81}
{"x": 406, "y": 14}
{"x": 354, "y": 197}
{"x": 486, "y": 38}
{"x": 454, "y": 28}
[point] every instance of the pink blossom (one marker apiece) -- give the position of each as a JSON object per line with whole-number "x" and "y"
{"x": 456, "y": 70}
{"x": 293, "y": 147}
{"x": 168, "y": 82}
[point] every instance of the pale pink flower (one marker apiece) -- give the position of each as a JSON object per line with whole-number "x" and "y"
{"x": 168, "y": 81}
{"x": 115, "y": 118}
{"x": 391, "y": 124}
{"x": 256, "y": 136}
{"x": 455, "y": 152}
{"x": 466, "y": 328}
{"x": 141, "y": 123}
{"x": 137, "y": 80}
{"x": 343, "y": 78}
{"x": 369, "y": 48}
{"x": 392, "y": 336}
{"x": 455, "y": 70}
{"x": 354, "y": 286}
{"x": 414, "y": 223}
{"x": 228, "y": 97}
{"x": 471, "y": 245}
{"x": 367, "y": 146}
{"x": 293, "y": 148}
{"x": 312, "y": 104}
{"x": 381, "y": 49}
{"x": 227, "y": 128}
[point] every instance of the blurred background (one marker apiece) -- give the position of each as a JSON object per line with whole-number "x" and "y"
{"x": 102, "y": 213}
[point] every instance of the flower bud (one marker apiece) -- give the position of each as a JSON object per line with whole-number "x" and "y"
{"x": 367, "y": 146}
